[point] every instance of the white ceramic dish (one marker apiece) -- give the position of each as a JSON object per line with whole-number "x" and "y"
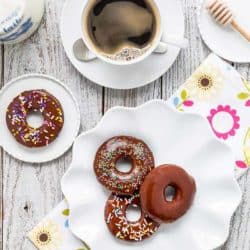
{"x": 174, "y": 137}
{"x": 130, "y": 76}
{"x": 223, "y": 41}
{"x": 71, "y": 118}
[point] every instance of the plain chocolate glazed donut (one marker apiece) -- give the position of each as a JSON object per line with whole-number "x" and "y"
{"x": 152, "y": 193}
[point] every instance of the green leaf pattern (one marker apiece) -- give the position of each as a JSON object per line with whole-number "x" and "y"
{"x": 184, "y": 95}
{"x": 244, "y": 95}
{"x": 182, "y": 101}
{"x": 65, "y": 212}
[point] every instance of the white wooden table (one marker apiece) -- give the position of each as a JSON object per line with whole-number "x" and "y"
{"x": 29, "y": 191}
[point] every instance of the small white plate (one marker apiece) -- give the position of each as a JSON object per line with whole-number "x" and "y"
{"x": 174, "y": 137}
{"x": 123, "y": 77}
{"x": 224, "y": 41}
{"x": 71, "y": 118}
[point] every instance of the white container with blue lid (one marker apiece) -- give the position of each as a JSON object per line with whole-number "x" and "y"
{"x": 19, "y": 19}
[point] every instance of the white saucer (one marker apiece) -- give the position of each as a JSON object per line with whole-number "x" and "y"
{"x": 71, "y": 118}
{"x": 123, "y": 77}
{"x": 224, "y": 41}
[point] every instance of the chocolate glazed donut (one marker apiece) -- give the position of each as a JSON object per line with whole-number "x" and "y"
{"x": 152, "y": 193}
{"x": 120, "y": 226}
{"x": 35, "y": 101}
{"x": 123, "y": 147}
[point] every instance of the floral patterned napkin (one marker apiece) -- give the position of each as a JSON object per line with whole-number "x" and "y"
{"x": 217, "y": 92}
{"x": 53, "y": 232}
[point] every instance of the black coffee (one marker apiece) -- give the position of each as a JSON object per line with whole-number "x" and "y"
{"x": 116, "y": 24}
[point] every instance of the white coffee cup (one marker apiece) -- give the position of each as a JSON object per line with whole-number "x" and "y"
{"x": 126, "y": 56}
{"x": 19, "y": 19}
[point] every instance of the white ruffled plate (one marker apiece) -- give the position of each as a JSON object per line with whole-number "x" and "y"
{"x": 174, "y": 137}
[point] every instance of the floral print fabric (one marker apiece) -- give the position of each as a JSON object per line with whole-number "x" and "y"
{"x": 47, "y": 235}
{"x": 218, "y": 93}
{"x": 53, "y": 232}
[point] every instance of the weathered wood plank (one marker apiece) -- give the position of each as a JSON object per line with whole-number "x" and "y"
{"x": 131, "y": 98}
{"x": 31, "y": 191}
{"x": 1, "y": 65}
{"x": 1, "y": 156}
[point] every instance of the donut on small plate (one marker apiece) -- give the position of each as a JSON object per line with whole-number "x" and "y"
{"x": 35, "y": 101}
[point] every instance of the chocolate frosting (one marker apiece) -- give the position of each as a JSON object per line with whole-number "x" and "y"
{"x": 152, "y": 193}
{"x": 35, "y": 101}
{"x": 120, "y": 226}
{"x": 123, "y": 147}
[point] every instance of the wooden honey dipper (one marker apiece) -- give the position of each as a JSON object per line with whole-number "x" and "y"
{"x": 222, "y": 13}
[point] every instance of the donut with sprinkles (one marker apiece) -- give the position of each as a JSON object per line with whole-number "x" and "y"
{"x": 115, "y": 149}
{"x": 120, "y": 226}
{"x": 35, "y": 101}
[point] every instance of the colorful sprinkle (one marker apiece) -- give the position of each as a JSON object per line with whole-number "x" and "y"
{"x": 122, "y": 147}
{"x": 120, "y": 226}
{"x": 34, "y": 101}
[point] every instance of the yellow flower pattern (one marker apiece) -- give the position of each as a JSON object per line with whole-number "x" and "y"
{"x": 206, "y": 82}
{"x": 46, "y": 236}
{"x": 50, "y": 234}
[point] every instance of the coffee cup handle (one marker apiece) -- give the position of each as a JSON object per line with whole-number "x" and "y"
{"x": 81, "y": 52}
{"x": 170, "y": 40}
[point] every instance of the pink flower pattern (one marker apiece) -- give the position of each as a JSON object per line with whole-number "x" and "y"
{"x": 233, "y": 113}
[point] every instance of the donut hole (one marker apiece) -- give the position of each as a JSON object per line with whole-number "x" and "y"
{"x": 170, "y": 193}
{"x": 35, "y": 119}
{"x": 124, "y": 164}
{"x": 133, "y": 213}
